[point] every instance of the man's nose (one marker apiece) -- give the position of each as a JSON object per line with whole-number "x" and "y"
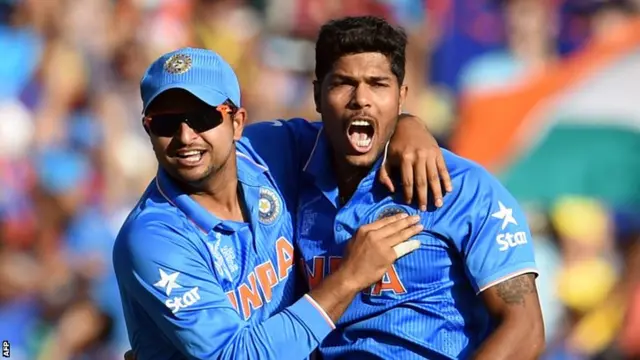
{"x": 186, "y": 134}
{"x": 360, "y": 97}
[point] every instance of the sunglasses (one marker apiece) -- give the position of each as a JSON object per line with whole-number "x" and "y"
{"x": 166, "y": 125}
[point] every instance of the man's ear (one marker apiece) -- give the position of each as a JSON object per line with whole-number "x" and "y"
{"x": 404, "y": 89}
{"x": 317, "y": 90}
{"x": 238, "y": 120}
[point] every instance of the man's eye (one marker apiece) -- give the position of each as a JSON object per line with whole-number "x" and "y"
{"x": 339, "y": 85}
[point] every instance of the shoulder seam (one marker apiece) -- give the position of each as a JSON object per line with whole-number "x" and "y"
{"x": 251, "y": 161}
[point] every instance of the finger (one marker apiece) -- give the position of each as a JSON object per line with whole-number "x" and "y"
{"x": 385, "y": 179}
{"x": 434, "y": 182}
{"x": 407, "y": 180}
{"x": 406, "y": 247}
{"x": 444, "y": 173}
{"x": 403, "y": 235}
{"x": 378, "y": 224}
{"x": 397, "y": 226}
{"x": 420, "y": 171}
{"x": 129, "y": 355}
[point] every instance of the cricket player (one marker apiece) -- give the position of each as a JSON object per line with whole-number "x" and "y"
{"x": 469, "y": 290}
{"x": 205, "y": 260}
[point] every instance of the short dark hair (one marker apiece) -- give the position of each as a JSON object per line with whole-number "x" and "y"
{"x": 360, "y": 34}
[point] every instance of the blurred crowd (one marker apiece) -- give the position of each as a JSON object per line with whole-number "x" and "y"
{"x": 541, "y": 92}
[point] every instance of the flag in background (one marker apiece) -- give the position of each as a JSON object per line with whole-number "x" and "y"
{"x": 574, "y": 129}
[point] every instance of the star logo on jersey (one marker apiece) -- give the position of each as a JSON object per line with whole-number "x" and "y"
{"x": 269, "y": 206}
{"x": 505, "y": 214}
{"x": 168, "y": 281}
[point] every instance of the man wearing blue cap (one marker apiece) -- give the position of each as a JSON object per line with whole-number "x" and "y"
{"x": 204, "y": 261}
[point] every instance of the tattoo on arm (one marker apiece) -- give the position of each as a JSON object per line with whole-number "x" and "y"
{"x": 514, "y": 291}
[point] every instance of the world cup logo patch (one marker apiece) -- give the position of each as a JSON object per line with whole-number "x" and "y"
{"x": 390, "y": 211}
{"x": 269, "y": 206}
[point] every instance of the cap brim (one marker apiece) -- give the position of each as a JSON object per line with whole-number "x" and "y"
{"x": 207, "y": 94}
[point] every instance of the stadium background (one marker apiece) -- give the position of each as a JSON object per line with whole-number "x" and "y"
{"x": 546, "y": 94}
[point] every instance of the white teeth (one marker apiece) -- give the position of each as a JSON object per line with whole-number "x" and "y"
{"x": 363, "y": 143}
{"x": 192, "y": 156}
{"x": 361, "y": 123}
{"x": 357, "y": 136}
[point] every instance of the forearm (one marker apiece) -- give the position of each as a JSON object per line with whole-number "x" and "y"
{"x": 517, "y": 339}
{"x": 412, "y": 122}
{"x": 292, "y": 334}
{"x": 404, "y": 116}
{"x": 334, "y": 294}
{"x": 301, "y": 327}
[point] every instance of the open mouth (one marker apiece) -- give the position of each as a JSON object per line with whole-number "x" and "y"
{"x": 189, "y": 157}
{"x": 360, "y": 133}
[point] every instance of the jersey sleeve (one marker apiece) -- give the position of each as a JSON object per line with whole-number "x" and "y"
{"x": 171, "y": 279}
{"x": 498, "y": 244}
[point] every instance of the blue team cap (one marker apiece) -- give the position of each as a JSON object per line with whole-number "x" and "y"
{"x": 201, "y": 72}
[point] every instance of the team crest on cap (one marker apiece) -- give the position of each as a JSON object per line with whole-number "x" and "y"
{"x": 178, "y": 64}
{"x": 390, "y": 211}
{"x": 269, "y": 206}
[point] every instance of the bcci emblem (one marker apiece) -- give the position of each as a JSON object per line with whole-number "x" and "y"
{"x": 390, "y": 211}
{"x": 269, "y": 206}
{"x": 178, "y": 64}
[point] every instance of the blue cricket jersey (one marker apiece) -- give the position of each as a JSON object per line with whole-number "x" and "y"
{"x": 427, "y": 304}
{"x": 197, "y": 287}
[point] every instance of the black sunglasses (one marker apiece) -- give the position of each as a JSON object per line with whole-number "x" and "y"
{"x": 166, "y": 125}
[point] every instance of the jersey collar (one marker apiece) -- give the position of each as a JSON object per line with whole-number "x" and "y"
{"x": 248, "y": 176}
{"x": 319, "y": 166}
